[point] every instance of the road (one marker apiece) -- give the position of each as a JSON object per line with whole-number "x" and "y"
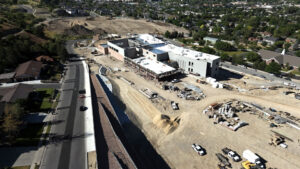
{"x": 275, "y": 80}
{"x": 66, "y": 148}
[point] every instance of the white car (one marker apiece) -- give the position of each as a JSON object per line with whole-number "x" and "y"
{"x": 234, "y": 156}
{"x": 198, "y": 149}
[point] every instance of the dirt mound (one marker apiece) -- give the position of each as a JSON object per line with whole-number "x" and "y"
{"x": 78, "y": 30}
{"x": 166, "y": 123}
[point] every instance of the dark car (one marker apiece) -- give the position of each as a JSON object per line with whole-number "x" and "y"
{"x": 83, "y": 108}
{"x": 82, "y": 91}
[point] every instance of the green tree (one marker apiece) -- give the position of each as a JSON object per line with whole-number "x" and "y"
{"x": 237, "y": 59}
{"x": 224, "y": 46}
{"x": 273, "y": 67}
{"x": 261, "y": 65}
{"x": 253, "y": 57}
{"x": 297, "y": 53}
{"x": 167, "y": 34}
{"x": 225, "y": 57}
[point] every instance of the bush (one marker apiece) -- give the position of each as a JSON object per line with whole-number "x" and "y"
{"x": 224, "y": 46}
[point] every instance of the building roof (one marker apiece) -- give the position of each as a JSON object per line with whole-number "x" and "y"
{"x": 44, "y": 58}
{"x": 156, "y": 43}
{"x": 148, "y": 39}
{"x": 157, "y": 51}
{"x": 155, "y": 66}
{"x": 210, "y": 38}
{"x": 7, "y": 75}
{"x": 281, "y": 59}
{"x": 19, "y": 91}
{"x": 188, "y": 52}
{"x": 271, "y": 38}
{"x": 29, "y": 68}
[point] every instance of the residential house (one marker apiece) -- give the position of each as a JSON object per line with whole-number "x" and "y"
{"x": 7, "y": 77}
{"x": 294, "y": 43}
{"x": 29, "y": 70}
{"x": 12, "y": 94}
{"x": 210, "y": 39}
{"x": 44, "y": 58}
{"x": 270, "y": 40}
{"x": 280, "y": 58}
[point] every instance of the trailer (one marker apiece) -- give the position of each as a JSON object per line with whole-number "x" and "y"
{"x": 253, "y": 158}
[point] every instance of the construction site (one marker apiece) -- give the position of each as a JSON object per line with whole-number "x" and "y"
{"x": 239, "y": 116}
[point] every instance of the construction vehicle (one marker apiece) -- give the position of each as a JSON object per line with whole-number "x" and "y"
{"x": 276, "y": 140}
{"x": 224, "y": 160}
{"x": 253, "y": 158}
{"x": 248, "y": 165}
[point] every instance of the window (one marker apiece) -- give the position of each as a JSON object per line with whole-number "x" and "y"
{"x": 189, "y": 63}
{"x": 192, "y": 63}
{"x": 191, "y": 70}
{"x": 188, "y": 69}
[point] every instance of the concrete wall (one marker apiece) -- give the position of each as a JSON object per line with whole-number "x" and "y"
{"x": 115, "y": 54}
{"x": 102, "y": 49}
{"x": 214, "y": 67}
{"x": 190, "y": 65}
{"x": 131, "y": 53}
{"x": 157, "y": 57}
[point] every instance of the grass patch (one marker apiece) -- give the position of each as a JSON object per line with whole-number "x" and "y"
{"x": 40, "y": 100}
{"x": 296, "y": 72}
{"x": 29, "y": 136}
{"x": 235, "y": 53}
{"x": 48, "y": 94}
{"x": 54, "y": 105}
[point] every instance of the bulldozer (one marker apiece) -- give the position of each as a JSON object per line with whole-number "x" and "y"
{"x": 248, "y": 165}
{"x": 276, "y": 140}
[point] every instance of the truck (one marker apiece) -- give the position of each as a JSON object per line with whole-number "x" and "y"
{"x": 232, "y": 154}
{"x": 253, "y": 158}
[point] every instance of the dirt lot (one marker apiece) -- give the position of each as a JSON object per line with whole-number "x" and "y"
{"x": 195, "y": 127}
{"x": 120, "y": 26}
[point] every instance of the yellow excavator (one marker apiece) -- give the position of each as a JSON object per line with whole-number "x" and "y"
{"x": 248, "y": 165}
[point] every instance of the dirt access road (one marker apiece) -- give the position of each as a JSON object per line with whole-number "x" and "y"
{"x": 120, "y": 26}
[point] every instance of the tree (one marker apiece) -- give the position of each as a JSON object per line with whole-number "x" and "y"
{"x": 167, "y": 34}
{"x": 261, "y": 65}
{"x": 299, "y": 68}
{"x": 224, "y": 46}
{"x": 273, "y": 67}
{"x": 237, "y": 59}
{"x": 253, "y": 57}
{"x": 225, "y": 57}
{"x": 297, "y": 53}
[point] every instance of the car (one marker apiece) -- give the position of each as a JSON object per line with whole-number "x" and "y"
{"x": 83, "y": 108}
{"x": 82, "y": 91}
{"x": 200, "y": 150}
{"x": 231, "y": 154}
{"x": 175, "y": 81}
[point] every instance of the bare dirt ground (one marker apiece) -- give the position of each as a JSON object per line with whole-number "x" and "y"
{"x": 195, "y": 127}
{"x": 120, "y": 26}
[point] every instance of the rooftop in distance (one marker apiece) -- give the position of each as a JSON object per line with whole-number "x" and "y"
{"x": 155, "y": 66}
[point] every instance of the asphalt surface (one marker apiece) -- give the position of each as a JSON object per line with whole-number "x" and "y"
{"x": 66, "y": 147}
{"x": 267, "y": 76}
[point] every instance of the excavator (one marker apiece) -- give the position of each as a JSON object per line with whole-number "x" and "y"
{"x": 248, "y": 165}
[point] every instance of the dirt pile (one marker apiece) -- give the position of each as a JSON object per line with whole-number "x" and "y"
{"x": 78, "y": 30}
{"x": 166, "y": 123}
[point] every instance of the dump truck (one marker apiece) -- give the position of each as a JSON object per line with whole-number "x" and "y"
{"x": 253, "y": 158}
{"x": 248, "y": 165}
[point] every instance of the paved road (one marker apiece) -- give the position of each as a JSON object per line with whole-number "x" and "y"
{"x": 275, "y": 80}
{"x": 66, "y": 148}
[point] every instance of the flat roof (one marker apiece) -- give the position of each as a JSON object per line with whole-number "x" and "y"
{"x": 7, "y": 75}
{"x": 187, "y": 52}
{"x": 155, "y": 66}
{"x": 158, "y": 44}
{"x": 148, "y": 39}
{"x": 157, "y": 51}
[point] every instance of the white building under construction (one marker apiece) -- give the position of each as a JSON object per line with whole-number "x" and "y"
{"x": 153, "y": 56}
